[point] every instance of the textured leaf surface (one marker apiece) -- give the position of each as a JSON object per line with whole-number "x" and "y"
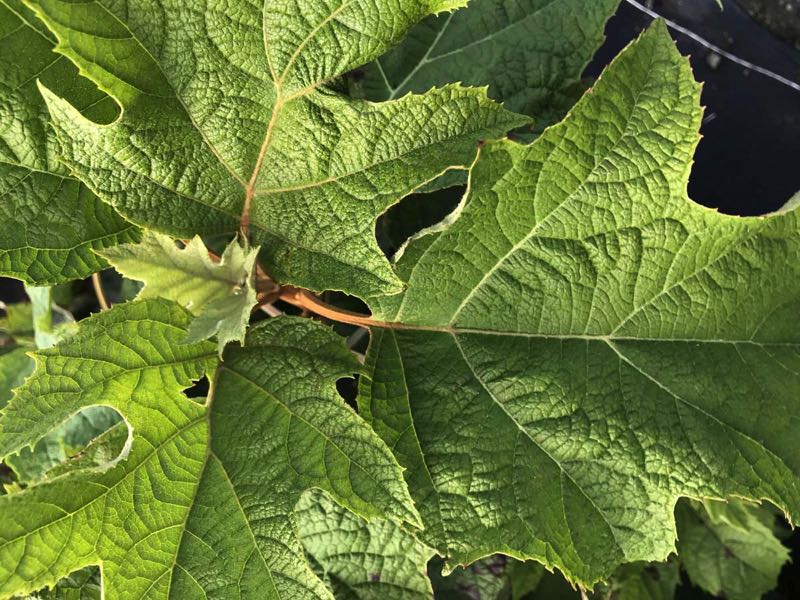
{"x": 15, "y": 366}
{"x": 202, "y": 502}
{"x": 530, "y": 53}
{"x": 362, "y": 560}
{"x": 584, "y": 345}
{"x": 227, "y": 119}
{"x": 222, "y": 294}
{"x": 51, "y": 222}
{"x": 730, "y": 550}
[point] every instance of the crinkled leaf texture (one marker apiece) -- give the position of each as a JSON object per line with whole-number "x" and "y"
{"x": 226, "y": 118}
{"x": 584, "y": 345}
{"x": 531, "y": 54}
{"x": 730, "y": 550}
{"x": 200, "y": 502}
{"x": 362, "y": 560}
{"x": 50, "y": 221}
{"x": 220, "y": 293}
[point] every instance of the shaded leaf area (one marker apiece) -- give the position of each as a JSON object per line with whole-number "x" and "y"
{"x": 41, "y": 324}
{"x": 220, "y": 293}
{"x": 228, "y": 123}
{"x": 194, "y": 506}
{"x": 730, "y": 550}
{"x": 558, "y": 372}
{"x": 530, "y": 53}
{"x": 51, "y": 221}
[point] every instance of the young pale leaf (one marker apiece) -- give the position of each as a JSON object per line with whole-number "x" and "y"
{"x": 50, "y": 221}
{"x": 730, "y": 550}
{"x": 362, "y": 560}
{"x": 221, "y": 294}
{"x": 530, "y": 53}
{"x": 202, "y": 498}
{"x": 227, "y": 122}
{"x": 584, "y": 345}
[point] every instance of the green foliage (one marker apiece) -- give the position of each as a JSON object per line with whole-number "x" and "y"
{"x": 51, "y": 221}
{"x": 583, "y": 344}
{"x": 730, "y": 550}
{"x": 531, "y": 54}
{"x": 361, "y": 560}
{"x": 203, "y": 494}
{"x": 222, "y": 294}
{"x": 233, "y": 127}
{"x": 552, "y": 367}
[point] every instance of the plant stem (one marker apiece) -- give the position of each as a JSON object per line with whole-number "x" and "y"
{"x": 98, "y": 291}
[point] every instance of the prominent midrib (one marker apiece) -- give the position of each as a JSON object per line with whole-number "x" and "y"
{"x": 280, "y": 101}
{"x": 605, "y": 338}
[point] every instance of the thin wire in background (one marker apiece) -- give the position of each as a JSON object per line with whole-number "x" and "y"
{"x": 716, "y": 49}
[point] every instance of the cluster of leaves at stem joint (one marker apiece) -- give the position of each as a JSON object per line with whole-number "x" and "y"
{"x": 201, "y": 497}
{"x": 583, "y": 345}
{"x": 221, "y": 294}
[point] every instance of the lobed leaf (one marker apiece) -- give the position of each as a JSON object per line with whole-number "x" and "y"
{"x": 227, "y": 122}
{"x": 531, "y": 54}
{"x": 222, "y": 294}
{"x": 583, "y": 345}
{"x": 51, "y": 221}
{"x": 362, "y": 560}
{"x": 730, "y": 550}
{"x": 201, "y": 498}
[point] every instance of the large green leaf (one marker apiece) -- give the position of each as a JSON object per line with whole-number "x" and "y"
{"x": 50, "y": 221}
{"x": 583, "y": 345}
{"x": 227, "y": 122}
{"x": 200, "y": 502}
{"x": 730, "y": 550}
{"x": 530, "y": 53}
{"x": 221, "y": 293}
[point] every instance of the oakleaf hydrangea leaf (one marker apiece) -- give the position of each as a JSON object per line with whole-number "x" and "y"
{"x": 362, "y": 560}
{"x": 199, "y": 502}
{"x": 50, "y": 221}
{"x": 498, "y": 578}
{"x": 227, "y": 122}
{"x": 583, "y": 345}
{"x": 531, "y": 54}
{"x": 220, "y": 293}
{"x": 730, "y": 550}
